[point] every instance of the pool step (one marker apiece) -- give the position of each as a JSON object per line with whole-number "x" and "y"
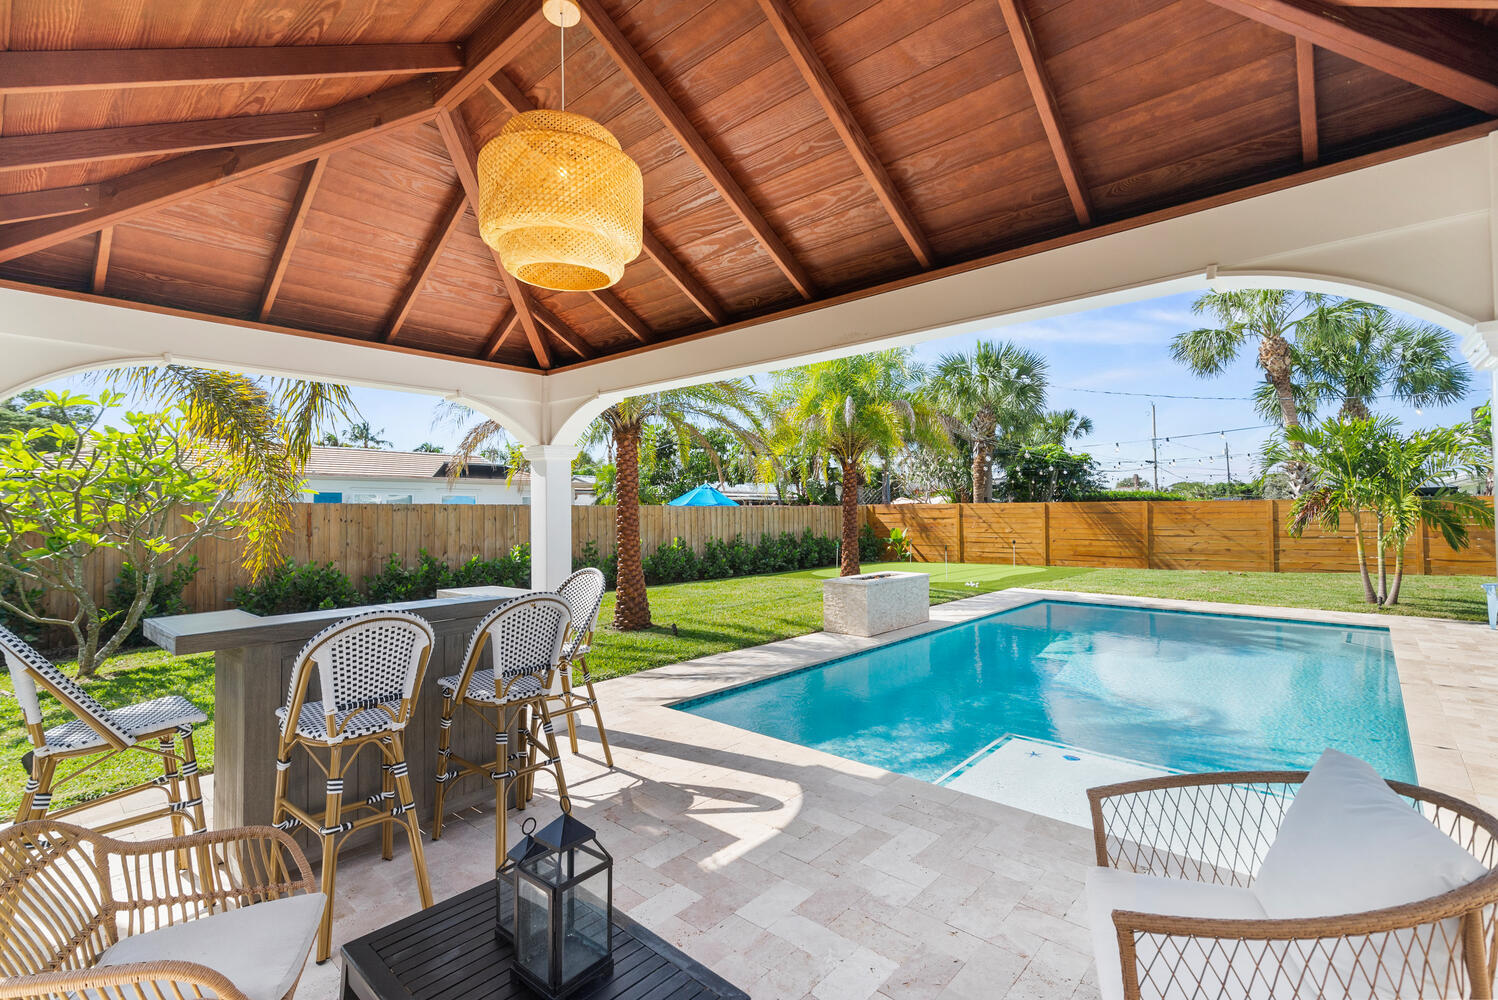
{"x": 1042, "y": 777}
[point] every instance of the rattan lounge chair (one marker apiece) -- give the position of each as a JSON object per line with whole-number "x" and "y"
{"x": 228, "y": 913}
{"x": 154, "y": 728}
{"x": 1213, "y": 832}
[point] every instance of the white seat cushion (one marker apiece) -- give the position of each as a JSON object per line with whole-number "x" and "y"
{"x": 1348, "y": 844}
{"x": 154, "y": 716}
{"x": 1220, "y": 973}
{"x": 260, "y": 948}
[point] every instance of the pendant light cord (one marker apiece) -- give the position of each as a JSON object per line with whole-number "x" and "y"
{"x": 562, "y": 30}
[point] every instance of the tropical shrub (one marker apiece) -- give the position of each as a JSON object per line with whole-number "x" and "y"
{"x": 513, "y": 569}
{"x": 73, "y": 488}
{"x": 608, "y": 565}
{"x": 167, "y": 600}
{"x": 394, "y": 583}
{"x": 291, "y": 589}
{"x": 871, "y": 547}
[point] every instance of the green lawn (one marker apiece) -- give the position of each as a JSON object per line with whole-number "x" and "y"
{"x": 695, "y": 619}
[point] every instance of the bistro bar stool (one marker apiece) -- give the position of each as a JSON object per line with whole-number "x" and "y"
{"x": 369, "y": 669}
{"x": 525, "y": 638}
{"x": 153, "y": 727}
{"x": 583, "y": 592}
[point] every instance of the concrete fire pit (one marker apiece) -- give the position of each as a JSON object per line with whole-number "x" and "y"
{"x": 872, "y": 603}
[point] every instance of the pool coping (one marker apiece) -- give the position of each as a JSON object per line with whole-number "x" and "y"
{"x": 1433, "y": 702}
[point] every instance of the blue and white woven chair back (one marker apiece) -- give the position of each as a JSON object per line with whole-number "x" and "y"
{"x": 526, "y": 637}
{"x": 368, "y": 660}
{"x": 583, "y": 592}
{"x": 28, "y": 667}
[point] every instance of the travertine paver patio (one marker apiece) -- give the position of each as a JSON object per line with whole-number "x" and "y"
{"x": 795, "y": 873}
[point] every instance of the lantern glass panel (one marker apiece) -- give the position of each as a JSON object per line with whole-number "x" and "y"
{"x": 533, "y": 930}
{"x": 505, "y": 904}
{"x": 585, "y": 924}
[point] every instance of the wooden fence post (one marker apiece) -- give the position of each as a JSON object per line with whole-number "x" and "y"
{"x": 1422, "y": 549}
{"x": 1273, "y": 548}
{"x": 961, "y": 545}
{"x": 1045, "y": 534}
{"x": 1149, "y": 534}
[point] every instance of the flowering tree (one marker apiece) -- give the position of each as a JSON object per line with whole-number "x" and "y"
{"x": 73, "y": 488}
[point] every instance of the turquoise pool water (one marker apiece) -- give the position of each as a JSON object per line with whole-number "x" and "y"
{"x": 1174, "y": 690}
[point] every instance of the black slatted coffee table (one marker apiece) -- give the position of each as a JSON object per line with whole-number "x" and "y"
{"x": 450, "y": 952}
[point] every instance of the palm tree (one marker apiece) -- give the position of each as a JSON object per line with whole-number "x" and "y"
{"x": 361, "y": 435}
{"x": 264, "y": 431}
{"x": 1339, "y": 462}
{"x": 996, "y": 387}
{"x": 1273, "y": 319}
{"x": 850, "y": 409}
{"x": 735, "y": 406}
{"x": 428, "y": 448}
{"x": 1059, "y": 426}
{"x": 1367, "y": 352}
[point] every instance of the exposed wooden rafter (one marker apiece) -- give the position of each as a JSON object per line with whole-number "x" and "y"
{"x": 798, "y": 43}
{"x": 117, "y": 69}
{"x": 47, "y": 204}
{"x": 1044, "y": 96}
{"x": 1440, "y": 51}
{"x": 567, "y": 337}
{"x": 91, "y": 145}
{"x": 300, "y": 205}
{"x": 653, "y": 92}
{"x": 515, "y": 101}
{"x": 465, "y": 160}
{"x": 503, "y": 330}
{"x": 457, "y": 207}
{"x": 497, "y": 41}
{"x": 101, "y": 260}
{"x": 1305, "y": 92}
{"x": 174, "y": 180}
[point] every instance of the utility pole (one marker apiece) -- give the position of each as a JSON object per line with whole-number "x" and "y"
{"x": 1154, "y": 450}
{"x": 1229, "y": 459}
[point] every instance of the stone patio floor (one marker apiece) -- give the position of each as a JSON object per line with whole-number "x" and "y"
{"x": 794, "y": 873}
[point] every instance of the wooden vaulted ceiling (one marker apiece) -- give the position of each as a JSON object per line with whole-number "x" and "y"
{"x": 309, "y": 164}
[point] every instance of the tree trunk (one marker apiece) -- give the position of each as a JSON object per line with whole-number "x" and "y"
{"x": 1383, "y": 574}
{"x": 1274, "y": 358}
{"x": 1357, "y": 534}
{"x": 981, "y": 472}
{"x": 1353, "y": 408}
{"x": 632, "y": 603}
{"x": 1393, "y": 598}
{"x": 849, "y": 562}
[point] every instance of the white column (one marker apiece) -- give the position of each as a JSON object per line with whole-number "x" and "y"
{"x": 551, "y": 513}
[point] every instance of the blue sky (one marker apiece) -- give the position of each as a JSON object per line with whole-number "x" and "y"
{"x": 1108, "y": 364}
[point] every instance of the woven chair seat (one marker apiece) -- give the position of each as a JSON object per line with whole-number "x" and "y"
{"x": 481, "y": 687}
{"x": 312, "y": 722}
{"x": 167, "y": 712}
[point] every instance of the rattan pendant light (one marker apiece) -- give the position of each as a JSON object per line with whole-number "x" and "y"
{"x": 558, "y": 199}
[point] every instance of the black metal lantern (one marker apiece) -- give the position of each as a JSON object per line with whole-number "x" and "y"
{"x": 556, "y": 905}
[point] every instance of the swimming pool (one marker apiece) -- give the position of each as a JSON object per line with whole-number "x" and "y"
{"x": 1170, "y": 690}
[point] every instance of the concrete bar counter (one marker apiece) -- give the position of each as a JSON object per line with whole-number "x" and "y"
{"x": 253, "y": 661}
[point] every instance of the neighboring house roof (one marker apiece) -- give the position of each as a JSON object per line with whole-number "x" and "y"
{"x": 376, "y": 463}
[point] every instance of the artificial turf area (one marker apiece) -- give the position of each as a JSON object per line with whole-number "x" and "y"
{"x": 713, "y": 616}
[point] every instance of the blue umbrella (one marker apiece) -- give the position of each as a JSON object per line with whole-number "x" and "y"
{"x": 703, "y": 496}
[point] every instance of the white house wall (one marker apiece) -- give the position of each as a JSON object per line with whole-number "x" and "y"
{"x": 420, "y": 490}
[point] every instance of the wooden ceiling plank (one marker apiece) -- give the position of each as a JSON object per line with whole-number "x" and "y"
{"x": 515, "y": 101}
{"x": 41, "y": 206}
{"x": 1045, "y": 103}
{"x": 101, "y": 260}
{"x": 1305, "y": 91}
{"x": 653, "y": 92}
{"x": 1429, "y": 4}
{"x": 54, "y": 149}
{"x": 502, "y": 332}
{"x": 300, "y": 205}
{"x": 1441, "y": 51}
{"x": 465, "y": 159}
{"x": 456, "y": 208}
{"x": 501, "y": 37}
{"x": 814, "y": 71}
{"x": 116, "y": 69}
{"x": 182, "y": 177}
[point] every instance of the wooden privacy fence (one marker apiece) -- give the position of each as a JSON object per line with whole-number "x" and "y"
{"x": 1243, "y": 535}
{"x": 360, "y": 538}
